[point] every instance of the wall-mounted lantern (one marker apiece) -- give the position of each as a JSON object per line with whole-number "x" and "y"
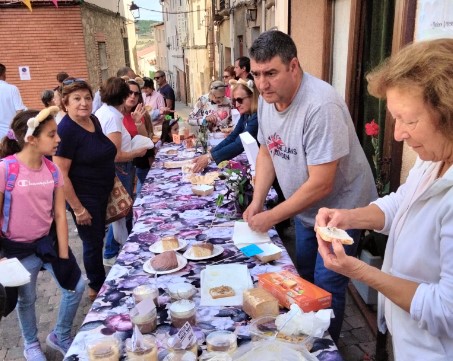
{"x": 135, "y": 10}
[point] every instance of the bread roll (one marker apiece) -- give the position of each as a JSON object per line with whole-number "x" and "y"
{"x": 328, "y": 234}
{"x": 165, "y": 261}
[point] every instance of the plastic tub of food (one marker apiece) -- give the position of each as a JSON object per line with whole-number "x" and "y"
{"x": 221, "y": 341}
{"x": 146, "y": 352}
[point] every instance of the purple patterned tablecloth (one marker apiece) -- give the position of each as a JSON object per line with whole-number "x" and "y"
{"x": 168, "y": 207}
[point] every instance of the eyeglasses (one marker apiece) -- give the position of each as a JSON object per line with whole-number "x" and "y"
{"x": 239, "y": 100}
{"x": 157, "y": 77}
{"x": 70, "y": 81}
{"x": 134, "y": 93}
{"x": 227, "y": 76}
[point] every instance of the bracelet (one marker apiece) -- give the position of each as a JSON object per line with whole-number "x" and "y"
{"x": 209, "y": 157}
{"x": 81, "y": 213}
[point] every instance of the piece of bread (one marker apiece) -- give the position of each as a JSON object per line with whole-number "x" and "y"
{"x": 202, "y": 249}
{"x": 259, "y": 302}
{"x": 328, "y": 234}
{"x": 221, "y": 292}
{"x": 287, "y": 283}
{"x": 169, "y": 243}
{"x": 165, "y": 261}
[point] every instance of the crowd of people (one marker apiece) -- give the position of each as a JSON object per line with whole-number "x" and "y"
{"x": 308, "y": 146}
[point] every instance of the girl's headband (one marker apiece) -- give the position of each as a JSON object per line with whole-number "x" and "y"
{"x": 247, "y": 83}
{"x": 34, "y": 122}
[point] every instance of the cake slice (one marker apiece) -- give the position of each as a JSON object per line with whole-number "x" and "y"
{"x": 202, "y": 249}
{"x": 165, "y": 261}
{"x": 169, "y": 243}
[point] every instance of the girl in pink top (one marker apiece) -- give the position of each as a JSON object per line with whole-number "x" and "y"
{"x": 36, "y": 231}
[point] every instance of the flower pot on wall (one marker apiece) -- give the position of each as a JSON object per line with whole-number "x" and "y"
{"x": 368, "y": 294}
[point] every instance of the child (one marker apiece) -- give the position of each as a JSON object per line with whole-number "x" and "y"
{"x": 34, "y": 227}
{"x": 169, "y": 127}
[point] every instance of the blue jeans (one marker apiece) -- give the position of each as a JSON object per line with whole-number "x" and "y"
{"x": 141, "y": 176}
{"x": 310, "y": 266}
{"x": 126, "y": 173}
{"x": 27, "y": 298}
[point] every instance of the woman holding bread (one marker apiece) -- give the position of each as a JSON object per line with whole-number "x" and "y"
{"x": 416, "y": 280}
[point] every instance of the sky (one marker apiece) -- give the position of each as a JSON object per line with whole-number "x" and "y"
{"x": 152, "y": 5}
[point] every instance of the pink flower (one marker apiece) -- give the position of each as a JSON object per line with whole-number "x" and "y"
{"x": 372, "y": 129}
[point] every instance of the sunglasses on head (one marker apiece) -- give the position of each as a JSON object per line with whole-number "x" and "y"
{"x": 239, "y": 100}
{"x": 218, "y": 87}
{"x": 70, "y": 81}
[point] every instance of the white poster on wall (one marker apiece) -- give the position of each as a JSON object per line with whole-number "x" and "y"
{"x": 24, "y": 72}
{"x": 434, "y": 19}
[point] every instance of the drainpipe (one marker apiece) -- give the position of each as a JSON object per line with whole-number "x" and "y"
{"x": 263, "y": 16}
{"x": 233, "y": 48}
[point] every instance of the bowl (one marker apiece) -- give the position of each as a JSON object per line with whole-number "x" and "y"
{"x": 264, "y": 328}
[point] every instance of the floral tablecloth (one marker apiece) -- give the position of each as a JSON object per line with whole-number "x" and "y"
{"x": 168, "y": 207}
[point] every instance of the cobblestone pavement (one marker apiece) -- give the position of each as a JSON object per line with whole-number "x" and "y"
{"x": 356, "y": 341}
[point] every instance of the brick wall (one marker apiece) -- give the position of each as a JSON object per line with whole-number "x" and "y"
{"x": 48, "y": 40}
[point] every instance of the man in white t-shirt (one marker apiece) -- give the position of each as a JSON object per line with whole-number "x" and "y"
{"x": 10, "y": 102}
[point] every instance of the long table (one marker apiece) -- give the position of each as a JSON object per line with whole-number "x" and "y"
{"x": 168, "y": 207}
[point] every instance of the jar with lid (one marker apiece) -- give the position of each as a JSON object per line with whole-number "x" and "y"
{"x": 146, "y": 291}
{"x": 146, "y": 352}
{"x": 147, "y": 322}
{"x": 183, "y": 311}
{"x": 180, "y": 356}
{"x": 105, "y": 348}
{"x": 181, "y": 291}
{"x": 221, "y": 341}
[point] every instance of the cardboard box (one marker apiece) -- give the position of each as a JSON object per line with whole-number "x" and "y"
{"x": 289, "y": 288}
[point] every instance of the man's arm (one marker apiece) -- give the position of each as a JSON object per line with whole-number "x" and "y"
{"x": 264, "y": 177}
{"x": 319, "y": 184}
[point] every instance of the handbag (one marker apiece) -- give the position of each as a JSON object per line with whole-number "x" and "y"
{"x": 119, "y": 203}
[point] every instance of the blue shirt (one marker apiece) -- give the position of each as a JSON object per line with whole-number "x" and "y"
{"x": 232, "y": 146}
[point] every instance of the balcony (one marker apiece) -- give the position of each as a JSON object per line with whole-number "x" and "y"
{"x": 224, "y": 8}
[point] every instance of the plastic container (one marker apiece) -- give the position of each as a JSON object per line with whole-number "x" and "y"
{"x": 146, "y": 291}
{"x": 264, "y": 328}
{"x": 181, "y": 312}
{"x": 146, "y": 323}
{"x": 181, "y": 291}
{"x": 147, "y": 352}
{"x": 174, "y": 346}
{"x": 221, "y": 341}
{"x": 104, "y": 349}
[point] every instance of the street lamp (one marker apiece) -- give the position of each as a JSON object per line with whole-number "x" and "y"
{"x": 135, "y": 10}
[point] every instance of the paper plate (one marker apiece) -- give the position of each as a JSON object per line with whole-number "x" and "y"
{"x": 182, "y": 262}
{"x": 157, "y": 247}
{"x": 217, "y": 250}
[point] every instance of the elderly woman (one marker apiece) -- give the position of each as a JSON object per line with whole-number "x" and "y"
{"x": 416, "y": 281}
{"x": 245, "y": 97}
{"x": 85, "y": 156}
{"x": 115, "y": 94}
{"x": 214, "y": 106}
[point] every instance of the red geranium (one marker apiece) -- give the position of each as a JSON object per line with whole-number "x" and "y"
{"x": 372, "y": 129}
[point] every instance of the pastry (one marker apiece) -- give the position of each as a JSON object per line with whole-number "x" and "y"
{"x": 221, "y": 292}
{"x": 169, "y": 243}
{"x": 165, "y": 261}
{"x": 202, "y": 249}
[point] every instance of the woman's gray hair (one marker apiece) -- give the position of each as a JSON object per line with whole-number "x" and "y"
{"x": 272, "y": 43}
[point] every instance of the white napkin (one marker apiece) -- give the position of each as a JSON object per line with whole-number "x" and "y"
{"x": 243, "y": 235}
{"x": 140, "y": 141}
{"x": 13, "y": 273}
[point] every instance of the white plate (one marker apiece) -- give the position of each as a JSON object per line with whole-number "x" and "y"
{"x": 181, "y": 264}
{"x": 217, "y": 250}
{"x": 157, "y": 247}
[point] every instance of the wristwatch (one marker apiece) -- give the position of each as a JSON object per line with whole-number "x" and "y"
{"x": 208, "y": 154}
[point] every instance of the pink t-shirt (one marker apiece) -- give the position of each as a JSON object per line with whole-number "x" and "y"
{"x": 31, "y": 202}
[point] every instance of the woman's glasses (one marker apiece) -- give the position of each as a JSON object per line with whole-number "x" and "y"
{"x": 134, "y": 93}
{"x": 239, "y": 100}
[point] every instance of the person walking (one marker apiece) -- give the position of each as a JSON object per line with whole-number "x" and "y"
{"x": 10, "y": 102}
{"x": 304, "y": 125}
{"x": 165, "y": 89}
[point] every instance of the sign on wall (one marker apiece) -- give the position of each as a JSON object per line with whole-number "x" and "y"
{"x": 24, "y": 72}
{"x": 434, "y": 19}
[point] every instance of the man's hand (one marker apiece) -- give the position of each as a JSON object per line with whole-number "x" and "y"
{"x": 200, "y": 163}
{"x": 261, "y": 222}
{"x": 332, "y": 218}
